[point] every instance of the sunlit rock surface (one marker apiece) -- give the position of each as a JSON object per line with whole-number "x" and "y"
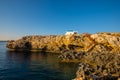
{"x": 78, "y": 42}
{"x": 98, "y": 54}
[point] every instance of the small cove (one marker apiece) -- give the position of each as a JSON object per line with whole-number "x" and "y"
{"x": 33, "y": 66}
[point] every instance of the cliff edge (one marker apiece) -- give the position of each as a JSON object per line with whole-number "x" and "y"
{"x": 76, "y": 42}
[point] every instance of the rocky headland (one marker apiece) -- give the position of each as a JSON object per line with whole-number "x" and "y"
{"x": 98, "y": 54}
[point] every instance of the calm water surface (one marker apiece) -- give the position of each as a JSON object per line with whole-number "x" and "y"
{"x": 33, "y": 66}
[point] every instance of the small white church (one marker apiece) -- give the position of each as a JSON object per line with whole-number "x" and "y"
{"x": 71, "y": 32}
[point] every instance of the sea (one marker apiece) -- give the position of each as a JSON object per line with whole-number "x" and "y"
{"x": 33, "y": 66}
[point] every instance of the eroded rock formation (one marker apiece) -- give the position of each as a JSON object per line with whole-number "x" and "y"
{"x": 99, "y": 66}
{"x": 98, "y": 54}
{"x": 78, "y": 42}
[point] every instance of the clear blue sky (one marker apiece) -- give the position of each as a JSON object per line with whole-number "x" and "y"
{"x": 44, "y": 17}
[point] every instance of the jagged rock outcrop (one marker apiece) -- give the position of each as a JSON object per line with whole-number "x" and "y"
{"x": 98, "y": 54}
{"x": 78, "y": 42}
{"x": 99, "y": 66}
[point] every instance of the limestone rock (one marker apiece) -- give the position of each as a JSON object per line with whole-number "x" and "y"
{"x": 77, "y": 42}
{"x": 98, "y": 54}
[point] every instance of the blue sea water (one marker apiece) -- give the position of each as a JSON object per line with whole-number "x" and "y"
{"x": 33, "y": 66}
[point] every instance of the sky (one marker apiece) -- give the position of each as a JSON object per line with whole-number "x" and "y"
{"x": 53, "y": 17}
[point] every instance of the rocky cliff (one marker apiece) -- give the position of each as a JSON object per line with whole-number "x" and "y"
{"x": 98, "y": 54}
{"x": 78, "y": 42}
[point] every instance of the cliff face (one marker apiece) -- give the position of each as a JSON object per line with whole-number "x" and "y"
{"x": 98, "y": 54}
{"x": 78, "y": 42}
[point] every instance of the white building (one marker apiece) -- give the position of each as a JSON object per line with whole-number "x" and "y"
{"x": 71, "y": 32}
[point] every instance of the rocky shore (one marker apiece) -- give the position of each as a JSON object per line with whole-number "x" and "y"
{"x": 98, "y": 54}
